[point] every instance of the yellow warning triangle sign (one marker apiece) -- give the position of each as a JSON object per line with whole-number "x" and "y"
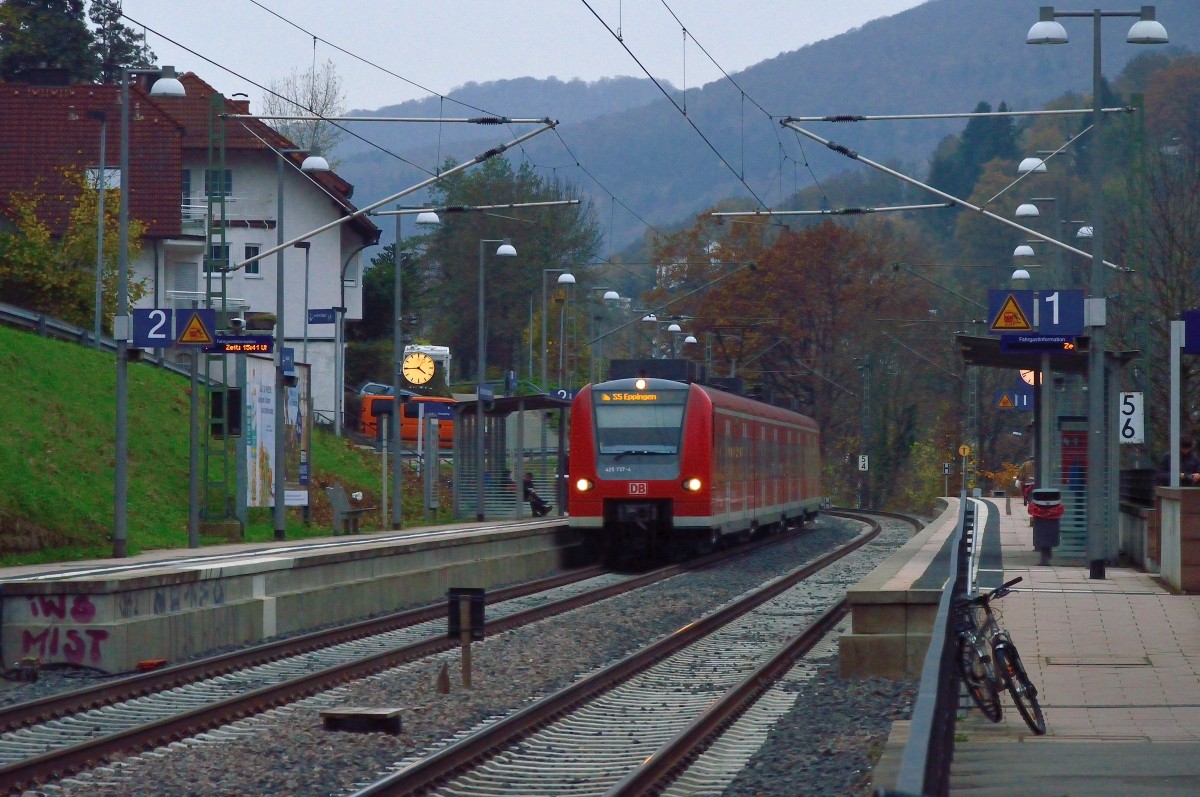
{"x": 1011, "y": 317}
{"x": 195, "y": 333}
{"x": 1005, "y": 402}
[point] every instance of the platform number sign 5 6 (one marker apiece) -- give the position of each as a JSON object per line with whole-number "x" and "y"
{"x": 1132, "y": 418}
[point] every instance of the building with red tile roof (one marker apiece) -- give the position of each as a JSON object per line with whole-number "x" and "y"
{"x": 49, "y": 131}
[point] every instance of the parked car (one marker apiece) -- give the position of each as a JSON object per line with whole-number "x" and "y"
{"x": 374, "y": 389}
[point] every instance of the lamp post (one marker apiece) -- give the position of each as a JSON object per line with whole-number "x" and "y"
{"x": 313, "y": 163}
{"x": 1145, "y": 31}
{"x": 306, "y": 246}
{"x": 609, "y": 296}
{"x": 675, "y": 331}
{"x": 399, "y": 259}
{"x": 101, "y": 188}
{"x": 564, "y": 278}
{"x": 166, "y": 86}
{"x": 1043, "y": 385}
{"x": 1030, "y": 210}
{"x": 652, "y": 318}
{"x": 562, "y": 335}
{"x": 504, "y": 250}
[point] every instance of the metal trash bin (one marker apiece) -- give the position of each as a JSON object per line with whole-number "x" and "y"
{"x": 1046, "y": 508}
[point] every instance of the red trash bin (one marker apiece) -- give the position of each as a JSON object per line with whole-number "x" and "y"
{"x": 1046, "y": 508}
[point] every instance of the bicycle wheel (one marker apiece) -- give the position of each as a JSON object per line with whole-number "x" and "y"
{"x": 1023, "y": 692}
{"x": 975, "y": 670}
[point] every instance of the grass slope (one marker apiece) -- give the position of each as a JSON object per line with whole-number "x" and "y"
{"x": 57, "y": 432}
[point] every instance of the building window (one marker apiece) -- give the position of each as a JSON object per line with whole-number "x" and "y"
{"x": 218, "y": 182}
{"x": 252, "y": 250}
{"x": 185, "y": 182}
{"x": 218, "y": 258}
{"x": 112, "y": 178}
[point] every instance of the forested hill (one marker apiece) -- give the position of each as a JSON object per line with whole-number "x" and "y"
{"x": 527, "y": 97}
{"x": 942, "y": 56}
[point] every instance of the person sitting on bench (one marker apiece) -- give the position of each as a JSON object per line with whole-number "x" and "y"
{"x": 536, "y": 503}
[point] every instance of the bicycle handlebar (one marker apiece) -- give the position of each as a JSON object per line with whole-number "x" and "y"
{"x": 998, "y": 592}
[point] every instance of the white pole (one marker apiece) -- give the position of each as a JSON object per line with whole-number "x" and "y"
{"x": 1177, "y": 331}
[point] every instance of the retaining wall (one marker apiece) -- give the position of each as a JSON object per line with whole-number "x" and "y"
{"x": 178, "y": 611}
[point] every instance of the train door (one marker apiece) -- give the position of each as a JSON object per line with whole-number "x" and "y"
{"x": 775, "y": 467}
{"x": 726, "y": 469}
{"x": 764, "y": 470}
{"x": 744, "y": 464}
{"x": 793, "y": 466}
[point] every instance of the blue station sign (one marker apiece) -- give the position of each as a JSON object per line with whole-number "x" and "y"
{"x": 1191, "y": 332}
{"x": 322, "y": 315}
{"x": 1036, "y": 343}
{"x": 1045, "y": 312}
{"x": 1013, "y": 400}
{"x": 165, "y": 328}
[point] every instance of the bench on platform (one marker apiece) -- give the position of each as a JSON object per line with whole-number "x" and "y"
{"x": 342, "y": 511}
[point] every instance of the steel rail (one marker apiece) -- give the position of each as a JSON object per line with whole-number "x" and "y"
{"x": 426, "y": 775}
{"x": 675, "y": 756}
{"x": 63, "y": 761}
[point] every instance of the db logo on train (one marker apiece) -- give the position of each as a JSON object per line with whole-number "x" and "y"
{"x": 638, "y": 488}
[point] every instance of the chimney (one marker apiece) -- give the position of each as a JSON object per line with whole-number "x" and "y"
{"x": 240, "y": 103}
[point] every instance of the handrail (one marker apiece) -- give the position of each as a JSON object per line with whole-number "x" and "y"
{"x": 925, "y": 763}
{"x": 50, "y": 327}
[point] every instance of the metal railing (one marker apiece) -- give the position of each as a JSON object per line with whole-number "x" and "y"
{"x": 925, "y": 763}
{"x": 49, "y": 327}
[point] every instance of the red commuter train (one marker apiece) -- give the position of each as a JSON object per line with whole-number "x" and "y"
{"x": 659, "y": 466}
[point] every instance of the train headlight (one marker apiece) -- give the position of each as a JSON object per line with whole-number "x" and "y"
{"x": 692, "y": 485}
{"x": 583, "y": 485}
{"x": 640, "y": 384}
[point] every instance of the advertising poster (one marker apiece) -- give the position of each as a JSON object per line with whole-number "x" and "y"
{"x": 259, "y": 434}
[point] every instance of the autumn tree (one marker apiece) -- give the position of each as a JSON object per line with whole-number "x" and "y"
{"x": 318, "y": 93}
{"x": 52, "y": 269}
{"x": 1154, "y": 229}
{"x": 821, "y": 323}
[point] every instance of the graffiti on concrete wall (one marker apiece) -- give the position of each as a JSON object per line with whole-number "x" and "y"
{"x": 78, "y": 645}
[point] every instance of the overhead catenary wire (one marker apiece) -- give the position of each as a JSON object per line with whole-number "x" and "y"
{"x": 386, "y": 200}
{"x": 849, "y": 153}
{"x": 746, "y": 96}
{"x": 444, "y": 98}
{"x": 261, "y": 87}
{"x": 364, "y": 139}
{"x": 682, "y": 109}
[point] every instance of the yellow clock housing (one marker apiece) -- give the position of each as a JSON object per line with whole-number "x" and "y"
{"x": 417, "y": 368}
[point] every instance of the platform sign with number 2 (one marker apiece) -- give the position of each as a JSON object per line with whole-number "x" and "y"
{"x": 1132, "y": 418}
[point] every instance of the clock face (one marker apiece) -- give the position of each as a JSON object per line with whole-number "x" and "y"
{"x": 417, "y": 368}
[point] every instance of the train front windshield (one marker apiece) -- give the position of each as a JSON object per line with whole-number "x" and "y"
{"x": 639, "y": 434}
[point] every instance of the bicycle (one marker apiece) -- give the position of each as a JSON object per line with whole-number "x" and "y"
{"x": 989, "y": 663}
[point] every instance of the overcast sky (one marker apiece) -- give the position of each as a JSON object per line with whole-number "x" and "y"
{"x": 441, "y": 44}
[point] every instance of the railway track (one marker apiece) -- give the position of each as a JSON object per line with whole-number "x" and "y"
{"x": 52, "y": 738}
{"x": 631, "y": 728}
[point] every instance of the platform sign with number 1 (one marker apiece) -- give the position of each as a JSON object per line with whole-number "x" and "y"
{"x": 1132, "y": 418}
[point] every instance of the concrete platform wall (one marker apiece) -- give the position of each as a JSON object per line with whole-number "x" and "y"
{"x": 1180, "y": 537}
{"x": 113, "y": 623}
{"x": 891, "y": 621}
